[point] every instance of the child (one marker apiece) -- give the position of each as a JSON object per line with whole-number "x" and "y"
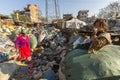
{"x": 100, "y": 37}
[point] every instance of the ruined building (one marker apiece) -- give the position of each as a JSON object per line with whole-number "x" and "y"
{"x": 67, "y": 16}
{"x": 83, "y": 15}
{"x": 32, "y": 11}
{"x": 6, "y": 20}
{"x": 30, "y": 15}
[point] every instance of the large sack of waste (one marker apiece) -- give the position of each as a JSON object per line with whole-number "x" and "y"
{"x": 33, "y": 41}
{"x": 7, "y": 70}
{"x": 102, "y": 65}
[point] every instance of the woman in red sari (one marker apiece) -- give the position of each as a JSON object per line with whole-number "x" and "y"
{"x": 22, "y": 46}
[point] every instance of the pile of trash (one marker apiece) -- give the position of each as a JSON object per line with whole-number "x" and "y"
{"x": 7, "y": 54}
{"x": 55, "y": 57}
{"x": 7, "y": 50}
{"x": 48, "y": 39}
{"x": 41, "y": 67}
{"x": 46, "y": 57}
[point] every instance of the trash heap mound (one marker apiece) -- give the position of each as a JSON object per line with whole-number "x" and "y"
{"x": 102, "y": 65}
{"x": 7, "y": 50}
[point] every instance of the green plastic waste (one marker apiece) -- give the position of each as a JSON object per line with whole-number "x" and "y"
{"x": 33, "y": 41}
{"x": 103, "y": 64}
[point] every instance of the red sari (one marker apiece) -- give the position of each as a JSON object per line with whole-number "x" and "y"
{"x": 25, "y": 53}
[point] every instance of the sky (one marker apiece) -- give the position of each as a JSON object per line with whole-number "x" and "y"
{"x": 66, "y": 6}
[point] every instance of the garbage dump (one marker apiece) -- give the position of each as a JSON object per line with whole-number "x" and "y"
{"x": 55, "y": 57}
{"x": 46, "y": 56}
{"x": 37, "y": 43}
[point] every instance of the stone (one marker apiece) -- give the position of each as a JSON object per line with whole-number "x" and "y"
{"x": 7, "y": 69}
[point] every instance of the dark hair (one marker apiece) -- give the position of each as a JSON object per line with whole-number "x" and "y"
{"x": 103, "y": 23}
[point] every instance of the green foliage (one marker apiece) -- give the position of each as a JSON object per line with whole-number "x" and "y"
{"x": 110, "y": 11}
{"x": 23, "y": 18}
{"x": 19, "y": 17}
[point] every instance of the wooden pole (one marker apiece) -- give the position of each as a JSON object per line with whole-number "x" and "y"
{"x": 47, "y": 10}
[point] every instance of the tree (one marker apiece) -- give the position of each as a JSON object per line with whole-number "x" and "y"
{"x": 18, "y": 16}
{"x": 111, "y": 11}
{"x": 15, "y": 15}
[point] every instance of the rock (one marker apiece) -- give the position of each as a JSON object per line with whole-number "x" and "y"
{"x": 79, "y": 65}
{"x": 7, "y": 69}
